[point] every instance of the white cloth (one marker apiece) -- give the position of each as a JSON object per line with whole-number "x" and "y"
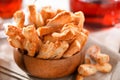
{"x": 110, "y": 38}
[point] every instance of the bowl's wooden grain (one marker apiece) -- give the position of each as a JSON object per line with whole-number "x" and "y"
{"x": 48, "y": 68}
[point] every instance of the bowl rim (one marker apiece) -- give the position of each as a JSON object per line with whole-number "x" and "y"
{"x": 77, "y": 53}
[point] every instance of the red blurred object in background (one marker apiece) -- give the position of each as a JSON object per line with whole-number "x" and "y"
{"x": 99, "y": 14}
{"x": 8, "y": 7}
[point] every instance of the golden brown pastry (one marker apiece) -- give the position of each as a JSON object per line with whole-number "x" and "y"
{"x": 19, "y": 18}
{"x": 47, "y": 30}
{"x": 100, "y": 58}
{"x": 51, "y": 50}
{"x": 87, "y": 69}
{"x": 34, "y": 17}
{"x": 78, "y": 19}
{"x": 105, "y": 68}
{"x": 15, "y": 36}
{"x": 82, "y": 38}
{"x": 49, "y": 38}
{"x": 77, "y": 44}
{"x": 47, "y": 13}
{"x": 32, "y": 42}
{"x": 94, "y": 49}
{"x": 60, "y": 19}
{"x": 68, "y": 32}
{"x": 74, "y": 48}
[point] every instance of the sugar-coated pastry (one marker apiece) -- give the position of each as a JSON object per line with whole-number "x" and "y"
{"x": 35, "y": 17}
{"x": 105, "y": 68}
{"x": 51, "y": 50}
{"x": 87, "y": 69}
{"x": 19, "y": 18}
{"x": 100, "y": 58}
{"x": 32, "y": 42}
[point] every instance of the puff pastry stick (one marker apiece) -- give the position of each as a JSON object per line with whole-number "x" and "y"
{"x": 19, "y": 18}
{"x": 60, "y": 19}
{"x": 34, "y": 17}
{"x": 47, "y": 13}
{"x": 87, "y": 69}
{"x": 78, "y": 19}
{"x": 74, "y": 48}
{"x": 100, "y": 58}
{"x": 93, "y": 50}
{"x": 15, "y": 36}
{"x": 68, "y": 32}
{"x": 105, "y": 68}
{"x": 82, "y": 38}
{"x": 49, "y": 38}
{"x": 32, "y": 42}
{"x": 51, "y": 50}
{"x": 47, "y": 30}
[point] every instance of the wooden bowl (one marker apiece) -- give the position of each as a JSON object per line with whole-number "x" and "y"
{"x": 48, "y": 68}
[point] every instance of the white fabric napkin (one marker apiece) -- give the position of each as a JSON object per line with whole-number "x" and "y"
{"x": 110, "y": 38}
